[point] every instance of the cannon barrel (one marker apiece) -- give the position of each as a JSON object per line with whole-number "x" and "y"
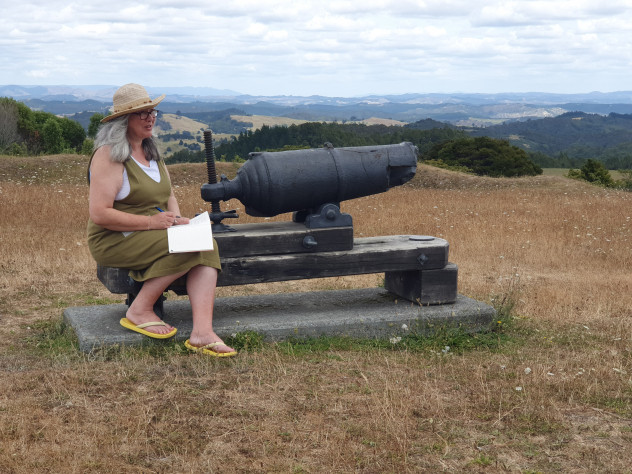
{"x": 272, "y": 183}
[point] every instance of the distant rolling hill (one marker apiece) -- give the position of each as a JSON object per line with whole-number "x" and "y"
{"x": 577, "y": 126}
{"x": 557, "y": 134}
{"x": 576, "y": 135}
{"x": 458, "y": 108}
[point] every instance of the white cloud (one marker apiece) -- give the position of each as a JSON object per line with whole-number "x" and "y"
{"x": 341, "y": 47}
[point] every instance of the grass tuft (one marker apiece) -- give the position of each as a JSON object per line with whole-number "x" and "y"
{"x": 51, "y": 338}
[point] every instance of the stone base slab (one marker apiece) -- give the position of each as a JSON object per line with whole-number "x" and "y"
{"x": 362, "y": 313}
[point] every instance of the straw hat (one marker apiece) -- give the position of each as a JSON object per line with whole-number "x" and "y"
{"x": 131, "y": 98}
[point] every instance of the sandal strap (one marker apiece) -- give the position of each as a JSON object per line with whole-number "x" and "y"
{"x": 213, "y": 344}
{"x": 151, "y": 323}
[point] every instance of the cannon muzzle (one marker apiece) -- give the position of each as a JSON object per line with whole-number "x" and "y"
{"x": 272, "y": 183}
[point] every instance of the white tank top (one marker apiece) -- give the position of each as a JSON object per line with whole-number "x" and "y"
{"x": 152, "y": 171}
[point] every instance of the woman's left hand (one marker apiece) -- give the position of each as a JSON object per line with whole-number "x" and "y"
{"x": 181, "y": 220}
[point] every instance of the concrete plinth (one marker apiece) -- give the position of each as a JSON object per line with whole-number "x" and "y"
{"x": 363, "y": 313}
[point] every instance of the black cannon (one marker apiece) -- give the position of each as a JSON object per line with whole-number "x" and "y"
{"x": 312, "y": 183}
{"x": 319, "y": 241}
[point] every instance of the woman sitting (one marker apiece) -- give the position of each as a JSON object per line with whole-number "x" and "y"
{"x": 129, "y": 187}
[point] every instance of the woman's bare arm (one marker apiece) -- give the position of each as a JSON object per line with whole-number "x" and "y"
{"x": 106, "y": 179}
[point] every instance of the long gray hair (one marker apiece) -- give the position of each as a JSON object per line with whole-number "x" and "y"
{"x": 114, "y": 134}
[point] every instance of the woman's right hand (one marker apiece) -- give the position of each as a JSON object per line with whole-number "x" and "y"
{"x": 162, "y": 220}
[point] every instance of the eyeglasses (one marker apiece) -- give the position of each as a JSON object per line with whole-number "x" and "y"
{"x": 144, "y": 115}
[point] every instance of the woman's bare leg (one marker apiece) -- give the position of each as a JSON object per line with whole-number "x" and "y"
{"x": 201, "y": 283}
{"x": 142, "y": 308}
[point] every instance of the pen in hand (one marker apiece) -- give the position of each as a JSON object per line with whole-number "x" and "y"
{"x": 177, "y": 217}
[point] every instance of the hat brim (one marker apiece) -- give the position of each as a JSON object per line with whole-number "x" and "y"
{"x": 145, "y": 106}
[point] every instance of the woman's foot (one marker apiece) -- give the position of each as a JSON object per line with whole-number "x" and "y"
{"x": 209, "y": 344}
{"x": 142, "y": 317}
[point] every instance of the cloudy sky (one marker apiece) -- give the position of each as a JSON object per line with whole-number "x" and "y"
{"x": 332, "y": 48}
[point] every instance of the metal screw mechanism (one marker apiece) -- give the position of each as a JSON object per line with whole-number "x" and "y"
{"x": 216, "y": 214}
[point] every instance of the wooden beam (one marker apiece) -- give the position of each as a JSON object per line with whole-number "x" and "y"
{"x": 424, "y": 286}
{"x": 274, "y": 238}
{"x": 369, "y": 255}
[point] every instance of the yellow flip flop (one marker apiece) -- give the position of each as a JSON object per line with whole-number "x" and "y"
{"x": 208, "y": 349}
{"x": 139, "y": 328}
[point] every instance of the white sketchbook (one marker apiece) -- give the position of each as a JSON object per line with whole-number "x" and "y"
{"x": 196, "y": 236}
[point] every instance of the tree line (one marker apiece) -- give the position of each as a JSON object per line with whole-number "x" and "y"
{"x": 315, "y": 134}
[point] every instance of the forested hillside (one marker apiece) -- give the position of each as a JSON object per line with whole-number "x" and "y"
{"x": 570, "y": 139}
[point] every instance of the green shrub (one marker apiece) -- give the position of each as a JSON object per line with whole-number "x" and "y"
{"x": 484, "y": 156}
{"x": 87, "y": 147}
{"x": 17, "y": 149}
{"x": 626, "y": 180}
{"x": 594, "y": 172}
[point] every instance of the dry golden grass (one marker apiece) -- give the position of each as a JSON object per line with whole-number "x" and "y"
{"x": 555, "y": 397}
{"x": 180, "y": 123}
{"x": 382, "y": 121}
{"x": 259, "y": 121}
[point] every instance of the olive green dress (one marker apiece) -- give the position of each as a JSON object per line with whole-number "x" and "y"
{"x": 144, "y": 253}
